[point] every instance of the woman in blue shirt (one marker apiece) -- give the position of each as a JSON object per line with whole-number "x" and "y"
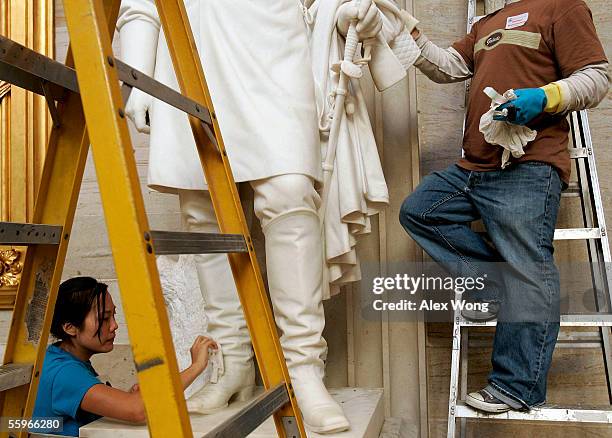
{"x": 84, "y": 323}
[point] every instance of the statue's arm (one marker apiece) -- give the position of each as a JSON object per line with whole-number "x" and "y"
{"x": 138, "y": 26}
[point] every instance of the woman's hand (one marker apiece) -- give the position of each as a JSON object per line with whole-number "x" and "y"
{"x": 199, "y": 359}
{"x": 199, "y": 352}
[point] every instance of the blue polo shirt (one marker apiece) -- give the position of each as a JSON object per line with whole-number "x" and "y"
{"x": 64, "y": 381}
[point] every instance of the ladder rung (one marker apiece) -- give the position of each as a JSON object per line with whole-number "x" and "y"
{"x": 583, "y": 339}
{"x": 578, "y": 153}
{"x": 570, "y": 233}
{"x": 577, "y": 233}
{"x": 570, "y": 320}
{"x": 248, "y": 419}
{"x": 12, "y": 233}
{"x": 177, "y": 242}
{"x": 14, "y": 375}
{"x": 574, "y": 414}
{"x": 573, "y": 189}
{"x": 27, "y": 69}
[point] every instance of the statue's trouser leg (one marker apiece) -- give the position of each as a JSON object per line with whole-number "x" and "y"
{"x": 287, "y": 207}
{"x": 226, "y": 323}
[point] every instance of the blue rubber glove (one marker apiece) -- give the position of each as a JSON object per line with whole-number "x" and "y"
{"x": 529, "y": 103}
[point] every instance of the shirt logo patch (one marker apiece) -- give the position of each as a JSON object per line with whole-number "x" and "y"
{"x": 517, "y": 20}
{"x": 513, "y": 37}
{"x": 494, "y": 39}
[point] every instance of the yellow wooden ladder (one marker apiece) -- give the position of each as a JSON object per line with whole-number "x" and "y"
{"x": 86, "y": 106}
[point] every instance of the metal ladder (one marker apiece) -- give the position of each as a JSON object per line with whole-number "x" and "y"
{"x": 595, "y": 234}
{"x": 89, "y": 108}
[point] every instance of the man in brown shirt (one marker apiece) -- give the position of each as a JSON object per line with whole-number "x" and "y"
{"x": 549, "y": 53}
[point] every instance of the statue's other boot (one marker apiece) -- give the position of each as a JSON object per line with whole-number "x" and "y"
{"x": 226, "y": 323}
{"x": 294, "y": 257}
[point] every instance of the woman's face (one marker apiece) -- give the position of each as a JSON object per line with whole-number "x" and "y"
{"x": 87, "y": 336}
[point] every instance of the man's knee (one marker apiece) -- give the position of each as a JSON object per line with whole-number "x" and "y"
{"x": 412, "y": 211}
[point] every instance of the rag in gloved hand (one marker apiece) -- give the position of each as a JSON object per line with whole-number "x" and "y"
{"x": 513, "y": 138}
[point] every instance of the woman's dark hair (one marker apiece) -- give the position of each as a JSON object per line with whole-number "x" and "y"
{"x": 74, "y": 301}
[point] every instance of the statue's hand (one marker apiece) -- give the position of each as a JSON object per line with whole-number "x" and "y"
{"x": 369, "y": 19}
{"x": 136, "y": 109}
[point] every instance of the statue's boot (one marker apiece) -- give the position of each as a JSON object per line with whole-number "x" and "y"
{"x": 294, "y": 257}
{"x": 226, "y": 323}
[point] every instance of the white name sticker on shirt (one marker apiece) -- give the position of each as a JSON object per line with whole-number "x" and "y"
{"x": 517, "y": 20}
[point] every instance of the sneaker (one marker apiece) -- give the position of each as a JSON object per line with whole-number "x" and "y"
{"x": 483, "y": 400}
{"x": 478, "y": 315}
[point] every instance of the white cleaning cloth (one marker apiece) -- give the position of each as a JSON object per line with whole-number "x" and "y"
{"x": 513, "y": 138}
{"x": 215, "y": 364}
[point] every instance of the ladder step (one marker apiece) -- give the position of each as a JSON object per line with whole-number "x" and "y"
{"x": 570, "y": 233}
{"x": 248, "y": 419}
{"x": 578, "y": 152}
{"x": 577, "y": 233}
{"x": 13, "y": 233}
{"x": 570, "y": 320}
{"x": 583, "y": 339}
{"x": 14, "y": 375}
{"x": 574, "y": 414}
{"x": 177, "y": 242}
{"x": 573, "y": 189}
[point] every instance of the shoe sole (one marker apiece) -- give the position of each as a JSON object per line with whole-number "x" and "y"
{"x": 207, "y": 411}
{"x": 478, "y": 317}
{"x": 245, "y": 394}
{"x": 486, "y": 407}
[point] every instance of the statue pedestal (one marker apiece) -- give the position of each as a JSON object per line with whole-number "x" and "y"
{"x": 363, "y": 407}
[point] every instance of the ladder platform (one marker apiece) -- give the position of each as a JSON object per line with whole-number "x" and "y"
{"x": 14, "y": 375}
{"x": 569, "y": 320}
{"x": 177, "y": 242}
{"x": 363, "y": 408}
{"x": 573, "y": 414}
{"x": 13, "y": 233}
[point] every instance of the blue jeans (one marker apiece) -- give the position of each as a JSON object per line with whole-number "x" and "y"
{"x": 518, "y": 207}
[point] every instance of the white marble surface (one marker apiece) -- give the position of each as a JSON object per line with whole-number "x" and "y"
{"x": 363, "y": 407}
